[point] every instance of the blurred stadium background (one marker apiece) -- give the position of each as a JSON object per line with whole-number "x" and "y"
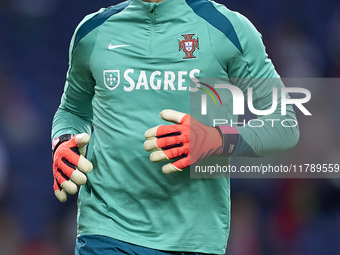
{"x": 269, "y": 216}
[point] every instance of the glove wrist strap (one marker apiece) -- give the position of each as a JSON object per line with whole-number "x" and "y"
{"x": 230, "y": 138}
{"x": 60, "y": 140}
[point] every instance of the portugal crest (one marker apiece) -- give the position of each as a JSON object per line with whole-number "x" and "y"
{"x": 111, "y": 79}
{"x": 188, "y": 45}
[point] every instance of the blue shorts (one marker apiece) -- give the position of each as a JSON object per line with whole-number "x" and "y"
{"x": 102, "y": 245}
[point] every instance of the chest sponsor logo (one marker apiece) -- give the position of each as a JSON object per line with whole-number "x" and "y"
{"x": 111, "y": 79}
{"x": 189, "y": 44}
{"x": 157, "y": 80}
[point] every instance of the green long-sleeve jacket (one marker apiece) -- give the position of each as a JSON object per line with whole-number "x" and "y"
{"x": 129, "y": 62}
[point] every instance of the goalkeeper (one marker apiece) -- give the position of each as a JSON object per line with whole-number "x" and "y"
{"x": 126, "y": 99}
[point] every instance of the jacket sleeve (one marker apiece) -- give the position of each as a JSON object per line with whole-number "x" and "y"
{"x": 250, "y": 67}
{"x": 75, "y": 114}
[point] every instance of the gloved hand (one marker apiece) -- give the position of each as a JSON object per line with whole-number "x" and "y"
{"x": 70, "y": 165}
{"x": 188, "y": 141}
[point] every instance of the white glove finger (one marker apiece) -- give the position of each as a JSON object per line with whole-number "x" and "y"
{"x": 82, "y": 139}
{"x": 158, "y": 156}
{"x": 84, "y": 165}
{"x": 61, "y": 195}
{"x": 151, "y": 133}
{"x": 151, "y": 145}
{"x": 82, "y": 150}
{"x": 170, "y": 168}
{"x": 172, "y": 116}
{"x": 78, "y": 177}
{"x": 70, "y": 187}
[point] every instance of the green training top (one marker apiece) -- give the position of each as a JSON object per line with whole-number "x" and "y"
{"x": 128, "y": 63}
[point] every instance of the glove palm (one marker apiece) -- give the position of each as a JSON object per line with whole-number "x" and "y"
{"x": 188, "y": 140}
{"x": 70, "y": 166}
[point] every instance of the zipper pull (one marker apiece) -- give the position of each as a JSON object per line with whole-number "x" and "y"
{"x": 152, "y": 7}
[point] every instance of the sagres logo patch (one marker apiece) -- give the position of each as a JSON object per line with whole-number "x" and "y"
{"x": 188, "y": 45}
{"x": 111, "y": 79}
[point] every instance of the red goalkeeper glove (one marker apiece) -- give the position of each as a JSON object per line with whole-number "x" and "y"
{"x": 188, "y": 140}
{"x": 69, "y": 164}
